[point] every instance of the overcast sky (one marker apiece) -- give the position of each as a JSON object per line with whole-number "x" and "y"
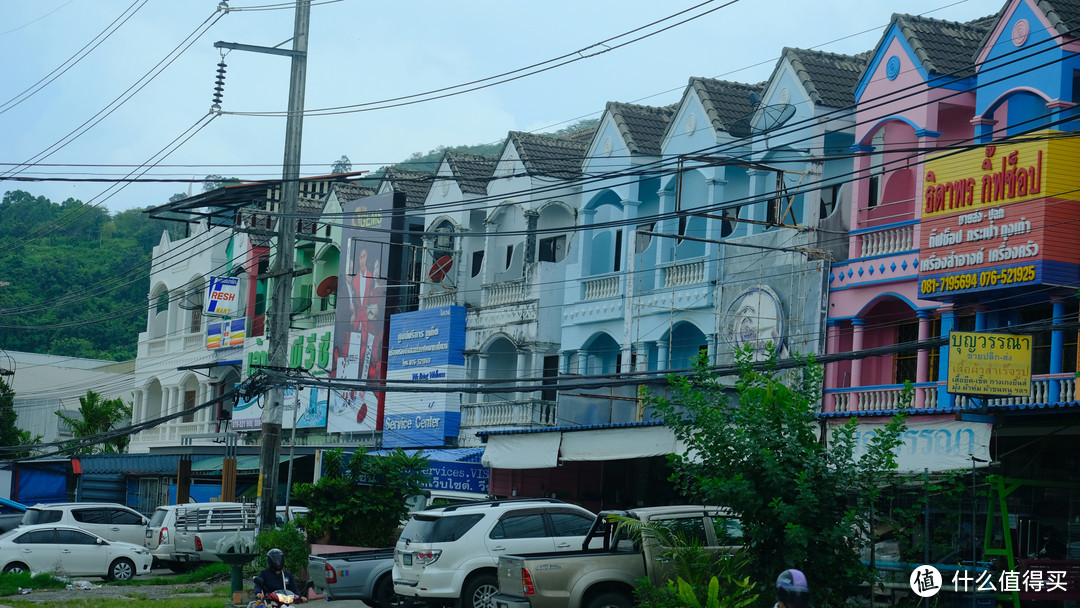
{"x": 362, "y": 52}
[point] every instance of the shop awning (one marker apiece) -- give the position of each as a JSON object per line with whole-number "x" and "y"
{"x": 544, "y": 448}
{"x": 244, "y": 464}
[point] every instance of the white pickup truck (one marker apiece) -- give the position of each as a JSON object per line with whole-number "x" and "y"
{"x": 605, "y": 574}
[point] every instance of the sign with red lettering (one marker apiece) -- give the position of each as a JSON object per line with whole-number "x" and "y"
{"x": 223, "y": 296}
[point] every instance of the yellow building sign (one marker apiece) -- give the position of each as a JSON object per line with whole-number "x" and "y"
{"x": 992, "y": 365}
{"x": 1041, "y": 165}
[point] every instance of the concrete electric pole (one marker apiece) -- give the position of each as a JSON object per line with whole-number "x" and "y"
{"x": 281, "y": 271}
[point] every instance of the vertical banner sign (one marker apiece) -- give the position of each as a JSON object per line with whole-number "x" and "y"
{"x": 371, "y": 252}
{"x": 992, "y": 365}
{"x": 425, "y": 346}
{"x": 223, "y": 296}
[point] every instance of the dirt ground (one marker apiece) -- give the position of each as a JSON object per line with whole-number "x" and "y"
{"x": 118, "y": 592}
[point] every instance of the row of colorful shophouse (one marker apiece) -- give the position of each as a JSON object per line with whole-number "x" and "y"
{"x": 859, "y": 208}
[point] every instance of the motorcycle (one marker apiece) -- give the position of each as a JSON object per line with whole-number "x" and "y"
{"x": 279, "y": 598}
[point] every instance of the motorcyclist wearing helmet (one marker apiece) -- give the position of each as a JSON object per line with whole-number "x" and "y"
{"x": 792, "y": 590}
{"x": 275, "y": 577}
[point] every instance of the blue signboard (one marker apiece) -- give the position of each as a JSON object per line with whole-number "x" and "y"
{"x": 427, "y": 338}
{"x": 415, "y": 429}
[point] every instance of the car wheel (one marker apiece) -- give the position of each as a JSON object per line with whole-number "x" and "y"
{"x": 122, "y": 569}
{"x": 384, "y": 595}
{"x": 15, "y": 568}
{"x": 479, "y": 591}
{"x": 610, "y": 600}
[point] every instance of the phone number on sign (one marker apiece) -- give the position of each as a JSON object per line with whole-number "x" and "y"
{"x": 986, "y": 278}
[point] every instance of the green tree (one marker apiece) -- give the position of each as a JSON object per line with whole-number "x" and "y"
{"x": 341, "y": 165}
{"x": 13, "y": 440}
{"x": 97, "y": 416}
{"x": 214, "y": 181}
{"x": 361, "y": 503}
{"x": 803, "y": 504}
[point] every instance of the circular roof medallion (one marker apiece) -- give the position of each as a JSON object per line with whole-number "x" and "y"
{"x": 892, "y": 68}
{"x": 1020, "y": 32}
{"x": 691, "y": 123}
{"x": 784, "y": 96}
{"x": 607, "y": 146}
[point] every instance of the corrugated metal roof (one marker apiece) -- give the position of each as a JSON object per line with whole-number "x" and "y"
{"x": 443, "y": 454}
{"x": 132, "y": 464}
{"x": 563, "y": 429}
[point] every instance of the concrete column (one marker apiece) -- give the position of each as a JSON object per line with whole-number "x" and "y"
{"x": 662, "y": 355}
{"x": 756, "y": 211}
{"x": 856, "y": 347}
{"x": 481, "y": 375}
{"x": 711, "y": 344}
{"x": 426, "y": 286}
{"x": 642, "y": 351}
{"x": 668, "y": 226}
{"x": 1057, "y": 348}
{"x": 922, "y": 361}
{"x": 568, "y": 360}
{"x": 584, "y": 249}
{"x": 531, "y": 217}
{"x": 524, "y": 370}
{"x": 948, "y": 318}
{"x": 584, "y": 361}
{"x": 627, "y": 355}
{"x": 832, "y": 345}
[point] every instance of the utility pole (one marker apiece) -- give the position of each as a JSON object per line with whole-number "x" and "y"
{"x": 281, "y": 302}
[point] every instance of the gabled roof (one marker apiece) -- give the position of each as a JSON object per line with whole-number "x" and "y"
{"x": 945, "y": 48}
{"x": 641, "y": 127}
{"x": 348, "y": 191}
{"x": 556, "y": 156}
{"x": 829, "y": 78}
{"x": 415, "y": 184}
{"x": 725, "y": 102}
{"x": 471, "y": 171}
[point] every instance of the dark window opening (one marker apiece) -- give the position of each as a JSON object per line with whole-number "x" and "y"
{"x": 618, "y": 250}
{"x": 509, "y": 255}
{"x": 477, "y": 262}
{"x": 872, "y": 195}
{"x": 830, "y": 195}
{"x": 553, "y": 249}
{"x": 550, "y": 378}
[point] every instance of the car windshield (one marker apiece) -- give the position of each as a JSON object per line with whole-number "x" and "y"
{"x": 427, "y": 529}
{"x": 40, "y": 516}
{"x": 158, "y": 518}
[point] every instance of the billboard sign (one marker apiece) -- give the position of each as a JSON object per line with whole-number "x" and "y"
{"x": 999, "y": 216}
{"x": 426, "y": 346}
{"x": 991, "y": 365}
{"x": 223, "y": 296}
{"x": 371, "y": 252}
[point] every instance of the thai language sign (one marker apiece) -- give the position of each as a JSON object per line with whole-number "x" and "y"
{"x": 458, "y": 476}
{"x": 992, "y": 365}
{"x": 426, "y": 348}
{"x": 992, "y": 218}
{"x": 938, "y": 445}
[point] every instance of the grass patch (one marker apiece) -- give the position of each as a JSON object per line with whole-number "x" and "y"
{"x": 104, "y": 602}
{"x": 207, "y": 573}
{"x": 225, "y": 590}
{"x": 11, "y": 581}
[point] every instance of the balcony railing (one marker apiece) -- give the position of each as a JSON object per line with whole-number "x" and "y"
{"x": 172, "y": 432}
{"x": 438, "y": 299}
{"x": 684, "y": 273}
{"x": 529, "y": 413}
{"x": 598, "y": 289}
{"x": 887, "y": 397}
{"x": 884, "y": 242}
{"x": 506, "y": 292}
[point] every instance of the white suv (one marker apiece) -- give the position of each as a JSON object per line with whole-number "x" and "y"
{"x": 108, "y": 520}
{"x": 451, "y": 553}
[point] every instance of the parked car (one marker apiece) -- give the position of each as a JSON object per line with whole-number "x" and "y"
{"x": 190, "y": 534}
{"x": 608, "y": 566}
{"x": 11, "y": 514}
{"x": 111, "y": 521}
{"x": 365, "y": 575}
{"x": 72, "y": 552}
{"x": 449, "y": 554}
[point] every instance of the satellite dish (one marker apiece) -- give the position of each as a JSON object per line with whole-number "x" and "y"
{"x": 439, "y": 269}
{"x": 191, "y": 300}
{"x": 762, "y": 120}
{"x": 326, "y": 287}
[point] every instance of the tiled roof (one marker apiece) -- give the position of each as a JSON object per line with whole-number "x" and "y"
{"x": 472, "y": 171}
{"x": 348, "y": 191}
{"x": 830, "y": 78}
{"x": 725, "y": 102}
{"x": 1064, "y": 15}
{"x": 415, "y": 184}
{"x": 943, "y": 47}
{"x": 550, "y": 155}
{"x": 642, "y": 127}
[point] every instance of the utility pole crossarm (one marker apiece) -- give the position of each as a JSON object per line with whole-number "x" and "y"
{"x": 235, "y": 46}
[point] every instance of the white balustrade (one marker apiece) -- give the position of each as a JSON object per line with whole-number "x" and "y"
{"x": 509, "y": 413}
{"x": 438, "y": 299}
{"x": 884, "y": 242}
{"x": 507, "y": 292}
{"x": 884, "y": 398}
{"x": 598, "y": 289}
{"x": 686, "y": 273}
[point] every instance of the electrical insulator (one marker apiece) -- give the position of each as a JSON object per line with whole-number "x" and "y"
{"x": 216, "y": 106}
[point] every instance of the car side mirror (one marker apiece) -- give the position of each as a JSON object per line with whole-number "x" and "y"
{"x": 100, "y": 541}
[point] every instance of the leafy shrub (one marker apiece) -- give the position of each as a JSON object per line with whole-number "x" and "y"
{"x": 291, "y": 540}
